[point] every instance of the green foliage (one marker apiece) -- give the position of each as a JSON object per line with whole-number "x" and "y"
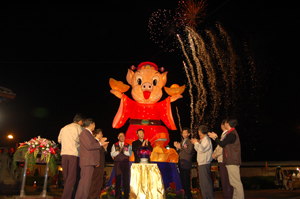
{"x": 52, "y": 164}
{"x": 22, "y": 153}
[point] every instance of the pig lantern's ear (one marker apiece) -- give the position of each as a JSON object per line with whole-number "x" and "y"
{"x": 129, "y": 76}
{"x": 164, "y": 78}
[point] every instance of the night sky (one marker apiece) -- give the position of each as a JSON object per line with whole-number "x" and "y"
{"x": 58, "y": 59}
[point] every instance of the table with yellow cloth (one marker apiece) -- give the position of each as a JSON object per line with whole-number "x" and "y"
{"x": 146, "y": 182}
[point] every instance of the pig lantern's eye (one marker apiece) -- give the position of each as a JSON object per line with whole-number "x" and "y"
{"x": 155, "y": 80}
{"x": 139, "y": 79}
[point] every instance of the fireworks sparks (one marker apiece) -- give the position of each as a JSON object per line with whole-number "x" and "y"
{"x": 191, "y": 12}
{"x": 163, "y": 29}
{"x": 164, "y": 25}
{"x": 212, "y": 69}
{"x": 178, "y": 116}
{"x": 215, "y": 67}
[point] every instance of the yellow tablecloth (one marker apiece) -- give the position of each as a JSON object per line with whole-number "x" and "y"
{"x": 146, "y": 182}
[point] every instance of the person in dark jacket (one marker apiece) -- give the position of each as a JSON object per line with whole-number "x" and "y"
{"x": 138, "y": 143}
{"x": 231, "y": 156}
{"x": 185, "y": 149}
{"x": 97, "y": 179}
{"x": 89, "y": 157}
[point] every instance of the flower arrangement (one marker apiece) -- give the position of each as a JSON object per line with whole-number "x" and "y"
{"x": 144, "y": 152}
{"x": 195, "y": 192}
{"x": 37, "y": 145}
{"x": 173, "y": 194}
{"x": 108, "y": 192}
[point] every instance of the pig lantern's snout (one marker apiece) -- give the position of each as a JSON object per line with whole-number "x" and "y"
{"x": 147, "y": 87}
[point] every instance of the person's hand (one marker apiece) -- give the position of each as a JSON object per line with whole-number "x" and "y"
{"x": 194, "y": 140}
{"x": 103, "y": 141}
{"x": 145, "y": 143}
{"x": 212, "y": 135}
{"x": 213, "y": 156}
{"x": 177, "y": 145}
{"x": 105, "y": 146}
{"x": 97, "y": 165}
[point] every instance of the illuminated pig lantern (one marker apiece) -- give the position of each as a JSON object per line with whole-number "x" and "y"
{"x": 145, "y": 112}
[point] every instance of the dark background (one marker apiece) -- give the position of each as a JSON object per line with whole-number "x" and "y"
{"x": 58, "y": 59}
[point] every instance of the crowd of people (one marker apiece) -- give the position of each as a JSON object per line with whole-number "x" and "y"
{"x": 83, "y": 150}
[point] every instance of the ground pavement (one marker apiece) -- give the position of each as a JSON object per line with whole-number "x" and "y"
{"x": 249, "y": 194}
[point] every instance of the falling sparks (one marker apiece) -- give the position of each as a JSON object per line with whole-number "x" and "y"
{"x": 163, "y": 29}
{"x": 215, "y": 67}
{"x": 178, "y": 116}
{"x": 212, "y": 68}
{"x": 191, "y": 97}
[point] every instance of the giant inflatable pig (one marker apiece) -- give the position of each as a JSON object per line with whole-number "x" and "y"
{"x": 145, "y": 112}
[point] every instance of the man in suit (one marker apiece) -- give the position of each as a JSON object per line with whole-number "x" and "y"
{"x": 185, "y": 148}
{"x": 69, "y": 139}
{"x": 89, "y": 157}
{"x": 121, "y": 151}
{"x": 140, "y": 142}
{"x": 97, "y": 180}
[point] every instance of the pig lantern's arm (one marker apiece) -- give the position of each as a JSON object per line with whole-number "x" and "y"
{"x": 117, "y": 93}
{"x": 166, "y": 116}
{"x": 126, "y": 105}
{"x": 175, "y": 97}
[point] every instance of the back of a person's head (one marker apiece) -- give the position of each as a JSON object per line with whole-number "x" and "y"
{"x": 203, "y": 129}
{"x": 78, "y": 117}
{"x": 88, "y": 122}
{"x": 223, "y": 122}
{"x": 232, "y": 122}
{"x": 97, "y": 131}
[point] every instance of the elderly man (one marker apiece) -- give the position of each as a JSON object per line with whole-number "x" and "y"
{"x": 204, "y": 158}
{"x": 120, "y": 152}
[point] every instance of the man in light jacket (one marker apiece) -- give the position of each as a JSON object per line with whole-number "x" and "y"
{"x": 69, "y": 139}
{"x": 204, "y": 158}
